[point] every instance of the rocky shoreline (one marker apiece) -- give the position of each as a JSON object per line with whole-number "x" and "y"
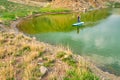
{"x": 31, "y": 3}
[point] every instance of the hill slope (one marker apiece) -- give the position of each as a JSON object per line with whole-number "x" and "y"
{"x": 24, "y": 58}
{"x": 75, "y": 5}
{"x": 78, "y": 5}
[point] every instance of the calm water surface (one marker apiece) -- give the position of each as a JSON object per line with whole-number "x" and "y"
{"x": 98, "y": 39}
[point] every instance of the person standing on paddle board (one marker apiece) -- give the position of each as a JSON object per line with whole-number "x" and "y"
{"x": 78, "y": 18}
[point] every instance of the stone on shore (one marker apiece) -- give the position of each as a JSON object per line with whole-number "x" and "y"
{"x": 43, "y": 70}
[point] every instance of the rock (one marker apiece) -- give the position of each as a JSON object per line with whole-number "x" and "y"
{"x": 40, "y": 63}
{"x": 34, "y": 38}
{"x": 43, "y": 70}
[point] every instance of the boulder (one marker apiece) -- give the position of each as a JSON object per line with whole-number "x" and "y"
{"x": 43, "y": 70}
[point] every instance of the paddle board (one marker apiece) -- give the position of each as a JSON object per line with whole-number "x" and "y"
{"x": 78, "y": 24}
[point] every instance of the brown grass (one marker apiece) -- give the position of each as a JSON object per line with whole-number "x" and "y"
{"x": 21, "y": 58}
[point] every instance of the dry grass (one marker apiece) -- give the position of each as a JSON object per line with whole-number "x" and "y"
{"x": 78, "y": 5}
{"x": 28, "y": 72}
{"x": 17, "y": 53}
{"x": 21, "y": 58}
{"x": 30, "y": 57}
{"x": 7, "y": 71}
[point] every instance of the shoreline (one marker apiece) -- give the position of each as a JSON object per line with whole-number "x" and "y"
{"x": 12, "y": 29}
{"x": 103, "y": 75}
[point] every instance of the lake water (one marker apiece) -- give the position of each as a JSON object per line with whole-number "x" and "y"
{"x": 98, "y": 39}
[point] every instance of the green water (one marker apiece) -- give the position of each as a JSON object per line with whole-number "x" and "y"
{"x": 97, "y": 40}
{"x": 59, "y": 22}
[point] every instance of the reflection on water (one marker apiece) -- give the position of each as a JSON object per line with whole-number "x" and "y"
{"x": 104, "y": 41}
{"x": 60, "y": 22}
{"x": 78, "y": 30}
{"x": 98, "y": 40}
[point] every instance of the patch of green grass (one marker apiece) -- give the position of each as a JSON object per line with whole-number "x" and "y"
{"x": 77, "y": 74}
{"x": 22, "y": 51}
{"x": 48, "y": 9}
{"x": 67, "y": 58}
{"x": 49, "y": 63}
{"x": 36, "y": 73}
{"x": 19, "y": 53}
{"x": 13, "y": 11}
{"x": 40, "y": 54}
{"x": 70, "y": 61}
{"x": 10, "y": 78}
{"x": 60, "y": 54}
{"x": 45, "y": 58}
{"x": 113, "y": 4}
{"x": 117, "y": 5}
{"x": 26, "y": 48}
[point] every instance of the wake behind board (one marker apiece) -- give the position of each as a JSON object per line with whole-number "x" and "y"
{"x": 78, "y": 24}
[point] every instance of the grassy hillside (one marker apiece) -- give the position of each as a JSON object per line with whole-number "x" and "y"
{"x": 23, "y": 58}
{"x": 11, "y": 11}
